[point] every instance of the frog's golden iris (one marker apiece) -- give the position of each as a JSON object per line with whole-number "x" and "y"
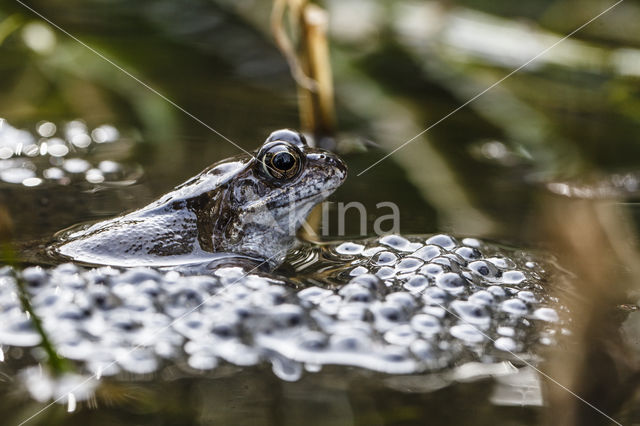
{"x": 280, "y": 160}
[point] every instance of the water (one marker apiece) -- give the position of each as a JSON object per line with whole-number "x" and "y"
{"x": 108, "y": 318}
{"x": 118, "y": 325}
{"x": 546, "y": 163}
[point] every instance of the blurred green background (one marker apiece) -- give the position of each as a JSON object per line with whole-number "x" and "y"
{"x": 399, "y": 66}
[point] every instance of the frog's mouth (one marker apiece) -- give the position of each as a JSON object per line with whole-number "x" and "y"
{"x": 287, "y": 205}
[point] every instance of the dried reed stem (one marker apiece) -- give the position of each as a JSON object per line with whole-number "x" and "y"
{"x": 309, "y": 62}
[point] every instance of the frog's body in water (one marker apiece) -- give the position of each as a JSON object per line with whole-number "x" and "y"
{"x": 248, "y": 206}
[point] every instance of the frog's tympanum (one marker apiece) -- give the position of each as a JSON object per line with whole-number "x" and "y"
{"x": 246, "y": 205}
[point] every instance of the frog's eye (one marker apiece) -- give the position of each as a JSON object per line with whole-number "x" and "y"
{"x": 280, "y": 160}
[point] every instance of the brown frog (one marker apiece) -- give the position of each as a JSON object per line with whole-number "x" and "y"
{"x": 246, "y": 205}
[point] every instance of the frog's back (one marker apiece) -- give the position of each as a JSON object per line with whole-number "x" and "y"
{"x": 163, "y": 233}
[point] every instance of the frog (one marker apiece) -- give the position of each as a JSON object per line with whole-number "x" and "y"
{"x": 249, "y": 206}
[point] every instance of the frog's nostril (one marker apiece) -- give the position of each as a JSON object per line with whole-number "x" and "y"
{"x": 329, "y": 160}
{"x": 337, "y": 163}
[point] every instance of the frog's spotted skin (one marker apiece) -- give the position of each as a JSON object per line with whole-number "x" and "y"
{"x": 393, "y": 305}
{"x": 242, "y": 206}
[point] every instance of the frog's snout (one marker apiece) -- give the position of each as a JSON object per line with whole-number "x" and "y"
{"x": 340, "y": 165}
{"x": 333, "y": 162}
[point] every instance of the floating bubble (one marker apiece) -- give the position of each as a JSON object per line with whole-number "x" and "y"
{"x": 468, "y": 253}
{"x": 137, "y": 360}
{"x": 527, "y": 296}
{"x": 400, "y": 335}
{"x": 506, "y": 344}
{"x": 287, "y": 315}
{"x": 371, "y": 251}
{"x": 435, "y": 295}
{"x": 94, "y": 176}
{"x": 506, "y": 331}
{"x": 53, "y": 173}
{"x": 76, "y": 165}
{"x": 108, "y": 166}
{"x": 409, "y": 264}
{"x": 350, "y": 341}
{"x": 358, "y": 270}
{"x": 471, "y": 313}
{"x": 387, "y": 315}
{"x": 352, "y": 312}
{"x": 46, "y": 129}
{"x": 29, "y": 150}
{"x": 432, "y": 269}
{"x": 426, "y": 324}
{"x": 356, "y": 293}
{"x": 546, "y": 314}
{"x": 501, "y": 262}
{"x": 385, "y": 272}
{"x": 422, "y": 350}
{"x": 384, "y": 258}
{"x": 370, "y": 282}
{"x": 202, "y": 361}
{"x": 471, "y": 242}
{"x": 467, "y": 333}
{"x": 485, "y": 269}
{"x": 105, "y": 134}
{"x": 514, "y": 306}
{"x": 314, "y": 294}
{"x": 55, "y": 147}
{"x": 33, "y": 181}
{"x": 5, "y": 152}
{"x": 403, "y": 299}
{"x": 442, "y": 240}
{"x": 513, "y": 277}
{"x": 349, "y": 248}
{"x": 313, "y": 341}
{"x": 427, "y": 252}
{"x": 398, "y": 243}
{"x": 16, "y": 175}
{"x": 436, "y": 311}
{"x": 481, "y": 297}
{"x": 74, "y": 127}
{"x": 17, "y": 330}
{"x": 80, "y": 140}
{"x": 451, "y": 282}
{"x": 496, "y": 291}
{"x": 417, "y": 283}
{"x": 331, "y": 304}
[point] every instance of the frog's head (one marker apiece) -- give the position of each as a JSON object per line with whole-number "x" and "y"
{"x": 266, "y": 203}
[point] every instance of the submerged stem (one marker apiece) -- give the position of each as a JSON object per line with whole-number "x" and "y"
{"x": 57, "y": 364}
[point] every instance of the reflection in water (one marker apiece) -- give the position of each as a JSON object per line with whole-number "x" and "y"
{"x": 611, "y": 187}
{"x": 520, "y": 389}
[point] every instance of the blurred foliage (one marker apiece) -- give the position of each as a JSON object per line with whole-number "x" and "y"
{"x": 564, "y": 116}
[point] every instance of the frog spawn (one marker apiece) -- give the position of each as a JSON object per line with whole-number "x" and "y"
{"x": 393, "y": 305}
{"x": 440, "y": 301}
